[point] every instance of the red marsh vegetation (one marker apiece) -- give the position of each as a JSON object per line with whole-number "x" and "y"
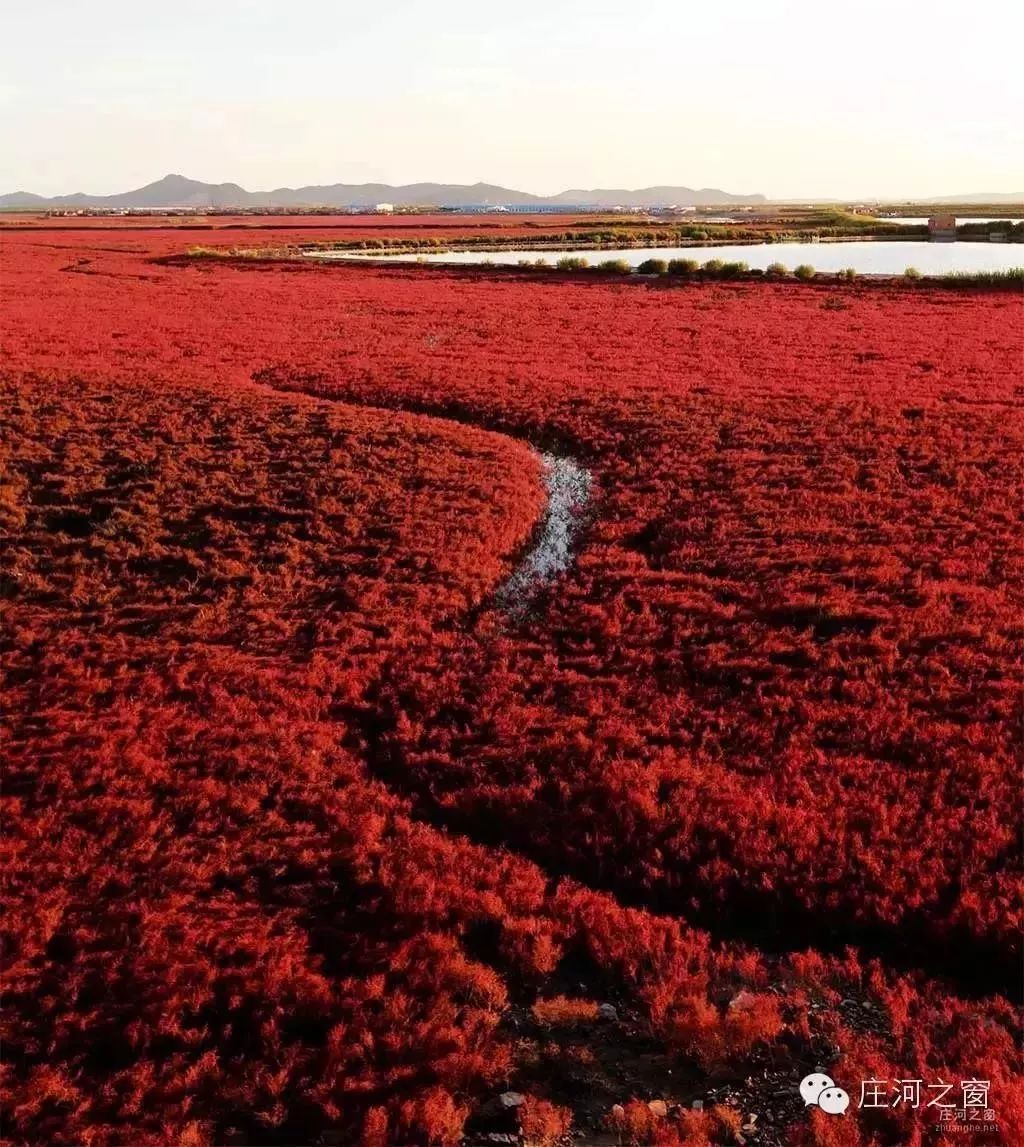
{"x": 305, "y": 841}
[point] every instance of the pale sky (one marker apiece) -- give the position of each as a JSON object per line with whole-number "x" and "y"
{"x": 796, "y": 98}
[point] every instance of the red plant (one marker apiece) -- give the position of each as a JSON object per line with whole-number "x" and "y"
{"x": 296, "y": 821}
{"x": 543, "y": 1124}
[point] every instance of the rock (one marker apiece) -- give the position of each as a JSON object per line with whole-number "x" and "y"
{"x": 510, "y": 1099}
{"x": 658, "y": 1107}
{"x": 607, "y": 1012}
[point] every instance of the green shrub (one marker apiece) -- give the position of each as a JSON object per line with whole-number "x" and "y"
{"x": 732, "y": 270}
{"x": 683, "y": 266}
{"x": 776, "y": 269}
{"x": 712, "y": 266}
{"x": 848, "y": 273}
{"x": 805, "y": 271}
{"x": 571, "y": 263}
{"x": 911, "y": 273}
{"x": 653, "y": 267}
{"x": 541, "y": 262}
{"x": 1012, "y": 277}
{"x": 616, "y": 266}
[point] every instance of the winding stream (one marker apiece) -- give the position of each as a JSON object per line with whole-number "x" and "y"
{"x": 568, "y": 486}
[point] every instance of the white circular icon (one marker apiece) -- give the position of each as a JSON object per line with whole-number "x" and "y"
{"x": 819, "y": 1090}
{"x": 811, "y": 1087}
{"x": 834, "y": 1100}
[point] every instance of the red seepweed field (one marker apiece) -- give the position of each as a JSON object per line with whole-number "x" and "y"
{"x": 308, "y": 841}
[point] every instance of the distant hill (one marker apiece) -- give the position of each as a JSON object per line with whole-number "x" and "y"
{"x": 407, "y": 195}
{"x": 177, "y": 191}
{"x": 654, "y": 197}
{"x": 171, "y": 191}
{"x": 981, "y": 197}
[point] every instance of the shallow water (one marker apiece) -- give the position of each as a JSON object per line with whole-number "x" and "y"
{"x": 568, "y": 487}
{"x": 920, "y": 220}
{"x": 865, "y": 257}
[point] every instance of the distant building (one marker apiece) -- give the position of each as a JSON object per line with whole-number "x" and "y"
{"x": 384, "y": 208}
{"x": 545, "y": 208}
{"x": 523, "y": 209}
{"x": 942, "y": 228}
{"x": 548, "y": 208}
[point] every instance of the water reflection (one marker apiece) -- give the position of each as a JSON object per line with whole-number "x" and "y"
{"x": 865, "y": 257}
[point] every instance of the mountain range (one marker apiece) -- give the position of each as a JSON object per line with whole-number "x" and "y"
{"x": 178, "y": 191}
{"x": 979, "y": 197}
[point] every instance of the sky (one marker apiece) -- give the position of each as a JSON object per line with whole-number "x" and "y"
{"x": 790, "y": 99}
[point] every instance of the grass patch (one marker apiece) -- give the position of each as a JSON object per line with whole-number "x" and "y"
{"x": 616, "y": 266}
{"x": 1012, "y": 278}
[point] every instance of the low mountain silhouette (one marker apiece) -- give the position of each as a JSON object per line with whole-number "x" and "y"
{"x": 171, "y": 191}
{"x": 654, "y": 197}
{"x": 178, "y": 191}
{"x": 979, "y": 197}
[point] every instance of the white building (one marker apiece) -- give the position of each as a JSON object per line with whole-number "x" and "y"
{"x": 385, "y": 208}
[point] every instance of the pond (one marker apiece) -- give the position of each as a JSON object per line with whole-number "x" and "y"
{"x": 921, "y": 220}
{"x": 865, "y": 257}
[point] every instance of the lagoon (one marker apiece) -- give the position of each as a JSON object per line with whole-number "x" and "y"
{"x": 921, "y": 220}
{"x": 865, "y": 257}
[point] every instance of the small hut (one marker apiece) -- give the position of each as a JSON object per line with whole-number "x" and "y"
{"x": 942, "y": 228}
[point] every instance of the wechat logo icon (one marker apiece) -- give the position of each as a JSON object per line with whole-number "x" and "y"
{"x": 819, "y": 1090}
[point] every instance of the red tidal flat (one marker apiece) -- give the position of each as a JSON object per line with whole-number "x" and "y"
{"x": 305, "y": 842}
{"x": 467, "y": 224}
